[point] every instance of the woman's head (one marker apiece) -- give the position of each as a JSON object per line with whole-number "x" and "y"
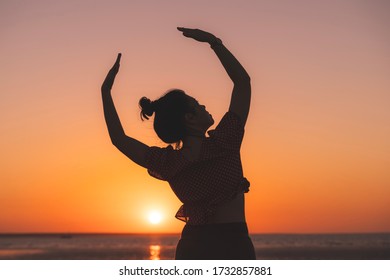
{"x": 176, "y": 115}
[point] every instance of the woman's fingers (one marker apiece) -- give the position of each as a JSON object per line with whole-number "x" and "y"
{"x": 183, "y": 29}
{"x": 186, "y": 31}
{"x": 115, "y": 68}
{"x": 118, "y": 59}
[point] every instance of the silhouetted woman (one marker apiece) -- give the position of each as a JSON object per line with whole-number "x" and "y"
{"x": 205, "y": 173}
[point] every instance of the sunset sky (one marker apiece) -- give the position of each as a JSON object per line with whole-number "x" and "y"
{"x": 317, "y": 142}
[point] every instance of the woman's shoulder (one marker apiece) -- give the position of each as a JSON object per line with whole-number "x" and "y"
{"x": 161, "y": 152}
{"x": 163, "y": 162}
{"x": 229, "y": 131}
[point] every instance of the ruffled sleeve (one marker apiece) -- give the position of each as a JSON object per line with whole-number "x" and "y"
{"x": 229, "y": 132}
{"x": 159, "y": 162}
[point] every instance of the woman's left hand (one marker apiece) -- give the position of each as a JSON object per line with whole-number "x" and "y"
{"x": 197, "y": 34}
{"x": 109, "y": 81}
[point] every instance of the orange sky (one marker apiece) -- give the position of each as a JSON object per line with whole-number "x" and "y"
{"x": 316, "y": 148}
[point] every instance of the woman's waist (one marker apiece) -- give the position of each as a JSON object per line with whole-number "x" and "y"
{"x": 232, "y": 211}
{"x": 215, "y": 231}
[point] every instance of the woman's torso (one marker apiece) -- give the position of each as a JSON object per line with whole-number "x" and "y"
{"x": 205, "y": 175}
{"x": 230, "y": 212}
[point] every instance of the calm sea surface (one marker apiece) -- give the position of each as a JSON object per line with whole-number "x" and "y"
{"x": 161, "y": 246}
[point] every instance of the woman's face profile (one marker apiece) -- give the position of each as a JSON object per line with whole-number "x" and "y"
{"x": 200, "y": 117}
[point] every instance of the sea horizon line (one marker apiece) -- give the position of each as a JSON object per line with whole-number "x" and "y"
{"x": 178, "y": 233}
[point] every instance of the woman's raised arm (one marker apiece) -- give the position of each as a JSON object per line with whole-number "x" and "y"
{"x": 241, "y": 95}
{"x": 131, "y": 147}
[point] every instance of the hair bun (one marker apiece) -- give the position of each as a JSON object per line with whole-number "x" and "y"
{"x": 147, "y": 108}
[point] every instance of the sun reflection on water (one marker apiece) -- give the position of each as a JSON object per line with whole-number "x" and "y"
{"x": 154, "y": 252}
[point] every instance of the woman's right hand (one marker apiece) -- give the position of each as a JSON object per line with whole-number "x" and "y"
{"x": 197, "y": 34}
{"x": 109, "y": 81}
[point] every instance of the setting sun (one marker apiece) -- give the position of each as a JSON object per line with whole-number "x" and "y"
{"x": 155, "y": 217}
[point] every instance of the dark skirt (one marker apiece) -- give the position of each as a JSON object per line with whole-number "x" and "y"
{"x": 228, "y": 241}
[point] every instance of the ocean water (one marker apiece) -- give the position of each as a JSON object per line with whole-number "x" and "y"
{"x": 162, "y": 246}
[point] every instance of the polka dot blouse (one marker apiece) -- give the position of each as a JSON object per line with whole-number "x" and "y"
{"x": 212, "y": 179}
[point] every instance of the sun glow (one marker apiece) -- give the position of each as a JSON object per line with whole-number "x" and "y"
{"x": 155, "y": 217}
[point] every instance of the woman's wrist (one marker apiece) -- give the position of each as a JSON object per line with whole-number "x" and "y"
{"x": 215, "y": 42}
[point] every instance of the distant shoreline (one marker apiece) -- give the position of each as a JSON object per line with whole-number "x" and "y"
{"x": 175, "y": 233}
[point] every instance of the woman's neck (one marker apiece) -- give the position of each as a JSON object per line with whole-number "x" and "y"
{"x": 193, "y": 141}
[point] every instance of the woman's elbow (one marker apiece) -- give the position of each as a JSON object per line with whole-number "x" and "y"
{"x": 242, "y": 79}
{"x": 247, "y": 78}
{"x": 117, "y": 141}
